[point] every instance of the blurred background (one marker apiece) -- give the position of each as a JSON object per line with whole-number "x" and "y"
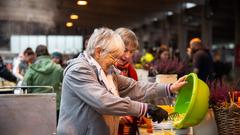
{"x": 63, "y": 25}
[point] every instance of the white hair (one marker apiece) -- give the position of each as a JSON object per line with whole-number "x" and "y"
{"x": 106, "y": 39}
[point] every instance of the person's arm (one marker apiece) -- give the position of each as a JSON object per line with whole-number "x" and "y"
{"x": 18, "y": 74}
{"x": 5, "y": 73}
{"x": 84, "y": 84}
{"x": 140, "y": 91}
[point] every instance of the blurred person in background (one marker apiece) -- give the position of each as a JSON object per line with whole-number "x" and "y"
{"x": 44, "y": 72}
{"x": 27, "y": 59}
{"x": 202, "y": 60}
{"x": 163, "y": 55}
{"x": 221, "y": 69}
{"x": 128, "y": 124}
{"x": 57, "y": 58}
{"x": 5, "y": 73}
{"x": 94, "y": 95}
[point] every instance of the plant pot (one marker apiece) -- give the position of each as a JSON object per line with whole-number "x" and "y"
{"x": 166, "y": 78}
{"x": 227, "y": 124}
{"x": 142, "y": 75}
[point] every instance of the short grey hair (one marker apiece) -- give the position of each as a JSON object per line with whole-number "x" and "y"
{"x": 104, "y": 38}
{"x": 128, "y": 37}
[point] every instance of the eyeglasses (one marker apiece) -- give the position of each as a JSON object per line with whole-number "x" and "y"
{"x": 112, "y": 57}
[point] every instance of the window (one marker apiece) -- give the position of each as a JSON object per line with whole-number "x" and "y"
{"x": 62, "y": 43}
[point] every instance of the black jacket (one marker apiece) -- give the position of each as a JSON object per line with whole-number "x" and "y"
{"x": 5, "y": 73}
{"x": 202, "y": 60}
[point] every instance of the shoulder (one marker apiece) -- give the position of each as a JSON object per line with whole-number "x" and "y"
{"x": 58, "y": 67}
{"x": 79, "y": 65}
{"x": 200, "y": 53}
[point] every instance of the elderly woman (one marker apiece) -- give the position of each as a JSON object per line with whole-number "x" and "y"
{"x": 128, "y": 124}
{"x": 94, "y": 95}
{"x": 131, "y": 45}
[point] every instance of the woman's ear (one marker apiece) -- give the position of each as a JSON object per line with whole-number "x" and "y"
{"x": 97, "y": 53}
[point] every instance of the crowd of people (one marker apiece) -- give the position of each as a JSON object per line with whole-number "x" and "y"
{"x": 98, "y": 92}
{"x": 199, "y": 59}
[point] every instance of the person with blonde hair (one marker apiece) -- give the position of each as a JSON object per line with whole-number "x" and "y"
{"x": 94, "y": 94}
{"x": 128, "y": 124}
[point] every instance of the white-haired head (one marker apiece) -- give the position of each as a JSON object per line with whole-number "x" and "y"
{"x": 107, "y": 40}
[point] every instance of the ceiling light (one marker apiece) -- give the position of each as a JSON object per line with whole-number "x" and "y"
{"x": 74, "y": 16}
{"x": 82, "y": 2}
{"x": 169, "y": 13}
{"x": 69, "y": 24}
{"x": 155, "y": 19}
{"x": 190, "y": 5}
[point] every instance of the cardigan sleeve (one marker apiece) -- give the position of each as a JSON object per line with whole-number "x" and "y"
{"x": 141, "y": 91}
{"x": 83, "y": 82}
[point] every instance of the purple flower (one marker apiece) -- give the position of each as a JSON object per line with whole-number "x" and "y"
{"x": 168, "y": 67}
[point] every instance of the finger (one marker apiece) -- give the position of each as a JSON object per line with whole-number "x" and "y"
{"x": 182, "y": 78}
{"x": 166, "y": 117}
{"x": 182, "y": 83}
{"x": 160, "y": 119}
{"x": 154, "y": 119}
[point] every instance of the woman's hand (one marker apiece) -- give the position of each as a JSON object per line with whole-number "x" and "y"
{"x": 176, "y": 86}
{"x": 126, "y": 120}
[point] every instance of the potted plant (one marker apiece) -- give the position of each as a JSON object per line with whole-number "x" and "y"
{"x": 225, "y": 101}
{"x": 167, "y": 71}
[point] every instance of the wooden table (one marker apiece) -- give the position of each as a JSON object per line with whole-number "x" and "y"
{"x": 188, "y": 131}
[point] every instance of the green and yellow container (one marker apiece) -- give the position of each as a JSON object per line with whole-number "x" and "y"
{"x": 192, "y": 102}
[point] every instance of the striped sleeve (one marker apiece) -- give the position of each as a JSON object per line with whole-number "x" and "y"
{"x": 143, "y": 109}
{"x": 167, "y": 90}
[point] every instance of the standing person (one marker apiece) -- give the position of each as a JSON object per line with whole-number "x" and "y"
{"x": 57, "y": 58}
{"x": 28, "y": 58}
{"x": 202, "y": 60}
{"x": 131, "y": 45}
{"x": 94, "y": 95}
{"x": 5, "y": 73}
{"x": 128, "y": 124}
{"x": 44, "y": 72}
{"x": 163, "y": 56}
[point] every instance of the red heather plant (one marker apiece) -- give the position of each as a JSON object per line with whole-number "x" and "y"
{"x": 168, "y": 67}
{"x": 218, "y": 92}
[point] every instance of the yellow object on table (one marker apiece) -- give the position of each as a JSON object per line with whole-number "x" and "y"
{"x": 3, "y": 84}
{"x": 143, "y": 131}
{"x": 167, "y": 108}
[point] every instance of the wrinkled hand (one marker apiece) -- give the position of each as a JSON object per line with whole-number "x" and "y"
{"x": 157, "y": 113}
{"x": 126, "y": 120}
{"x": 176, "y": 86}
